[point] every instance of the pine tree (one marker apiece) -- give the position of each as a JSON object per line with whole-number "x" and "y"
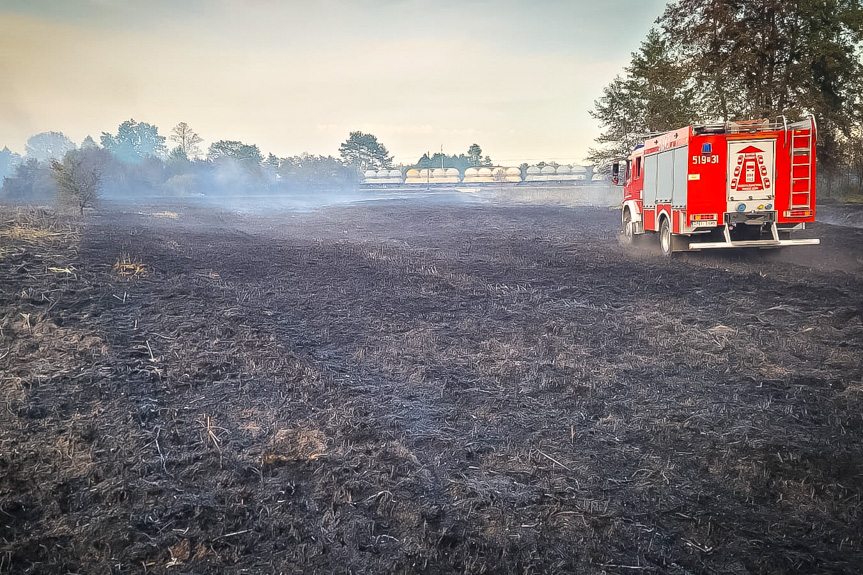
{"x": 722, "y": 60}
{"x": 655, "y": 94}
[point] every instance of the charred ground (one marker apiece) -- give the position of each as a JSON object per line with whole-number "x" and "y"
{"x": 423, "y": 388}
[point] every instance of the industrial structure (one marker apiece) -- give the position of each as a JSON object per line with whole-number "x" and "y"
{"x": 546, "y": 174}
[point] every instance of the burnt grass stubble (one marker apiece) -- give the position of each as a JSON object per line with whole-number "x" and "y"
{"x": 411, "y": 388}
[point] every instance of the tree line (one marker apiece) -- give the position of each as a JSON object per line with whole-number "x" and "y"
{"x": 724, "y": 60}
{"x": 136, "y": 161}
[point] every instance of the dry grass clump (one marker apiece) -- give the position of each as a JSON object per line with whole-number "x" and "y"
{"x": 295, "y": 445}
{"x": 23, "y": 227}
{"x": 33, "y": 222}
{"x": 125, "y": 267}
{"x": 26, "y": 233}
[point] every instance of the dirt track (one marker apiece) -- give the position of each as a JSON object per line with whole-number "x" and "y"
{"x": 422, "y": 388}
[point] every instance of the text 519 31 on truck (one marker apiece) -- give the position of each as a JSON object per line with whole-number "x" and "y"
{"x": 731, "y": 185}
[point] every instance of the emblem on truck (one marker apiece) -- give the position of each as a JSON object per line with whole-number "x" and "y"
{"x": 750, "y": 172}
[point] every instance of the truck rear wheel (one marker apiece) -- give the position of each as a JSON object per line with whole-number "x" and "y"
{"x": 665, "y": 238}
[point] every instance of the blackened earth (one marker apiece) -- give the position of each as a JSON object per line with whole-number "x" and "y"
{"x": 410, "y": 387}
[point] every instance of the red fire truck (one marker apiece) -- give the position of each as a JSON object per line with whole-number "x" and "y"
{"x": 730, "y": 185}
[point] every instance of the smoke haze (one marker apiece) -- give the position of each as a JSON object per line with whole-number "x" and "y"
{"x": 293, "y": 77}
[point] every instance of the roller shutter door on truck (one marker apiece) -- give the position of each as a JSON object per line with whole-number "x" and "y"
{"x": 665, "y": 179}
{"x": 681, "y": 171}
{"x": 650, "y": 171}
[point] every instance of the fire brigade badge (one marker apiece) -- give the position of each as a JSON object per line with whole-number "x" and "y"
{"x": 750, "y": 171}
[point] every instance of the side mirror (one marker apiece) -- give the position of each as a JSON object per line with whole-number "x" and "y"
{"x": 618, "y": 173}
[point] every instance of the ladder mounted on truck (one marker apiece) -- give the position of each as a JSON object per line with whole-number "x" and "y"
{"x": 802, "y": 160}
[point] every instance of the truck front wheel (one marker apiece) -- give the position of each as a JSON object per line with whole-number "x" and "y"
{"x": 628, "y": 231}
{"x": 665, "y": 238}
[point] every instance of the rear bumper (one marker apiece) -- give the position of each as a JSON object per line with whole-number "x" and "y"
{"x": 752, "y": 244}
{"x": 773, "y": 242}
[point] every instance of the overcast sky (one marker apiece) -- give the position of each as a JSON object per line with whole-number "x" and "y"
{"x": 516, "y": 77}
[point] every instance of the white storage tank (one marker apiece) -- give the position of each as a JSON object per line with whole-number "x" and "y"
{"x": 484, "y": 175}
{"x": 580, "y": 173}
{"x": 370, "y": 177}
{"x": 412, "y": 176}
{"x": 563, "y": 174}
{"x": 384, "y": 177}
{"x": 513, "y": 174}
{"x": 534, "y": 174}
{"x": 471, "y": 175}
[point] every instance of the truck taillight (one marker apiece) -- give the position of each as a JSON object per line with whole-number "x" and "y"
{"x": 798, "y": 213}
{"x": 700, "y": 217}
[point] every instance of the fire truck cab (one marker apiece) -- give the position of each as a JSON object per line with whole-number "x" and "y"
{"x": 729, "y": 185}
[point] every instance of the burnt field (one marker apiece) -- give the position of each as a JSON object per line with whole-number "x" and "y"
{"x": 420, "y": 388}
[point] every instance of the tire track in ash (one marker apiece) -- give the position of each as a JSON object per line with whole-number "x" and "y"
{"x": 596, "y": 292}
{"x": 196, "y": 312}
{"x": 240, "y": 292}
{"x": 336, "y": 319}
{"x": 476, "y": 401}
{"x": 410, "y": 308}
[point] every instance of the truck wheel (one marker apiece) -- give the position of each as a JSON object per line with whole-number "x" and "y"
{"x": 627, "y": 235}
{"x": 665, "y": 238}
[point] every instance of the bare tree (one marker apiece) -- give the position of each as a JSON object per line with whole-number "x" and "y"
{"x": 187, "y": 139}
{"x": 79, "y": 177}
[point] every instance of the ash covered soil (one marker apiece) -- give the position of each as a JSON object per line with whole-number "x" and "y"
{"x": 411, "y": 387}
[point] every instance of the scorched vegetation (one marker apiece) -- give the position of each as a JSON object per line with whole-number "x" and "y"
{"x": 424, "y": 389}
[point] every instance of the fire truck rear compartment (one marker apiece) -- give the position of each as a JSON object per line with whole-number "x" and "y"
{"x": 751, "y": 221}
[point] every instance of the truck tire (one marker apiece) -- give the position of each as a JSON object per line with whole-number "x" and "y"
{"x": 665, "y": 239}
{"x": 628, "y": 229}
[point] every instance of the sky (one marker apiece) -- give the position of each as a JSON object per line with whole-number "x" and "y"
{"x": 518, "y": 78}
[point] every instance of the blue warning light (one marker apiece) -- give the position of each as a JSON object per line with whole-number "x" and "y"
{"x": 707, "y": 149}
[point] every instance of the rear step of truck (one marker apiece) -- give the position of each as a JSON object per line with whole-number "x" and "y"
{"x": 771, "y": 243}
